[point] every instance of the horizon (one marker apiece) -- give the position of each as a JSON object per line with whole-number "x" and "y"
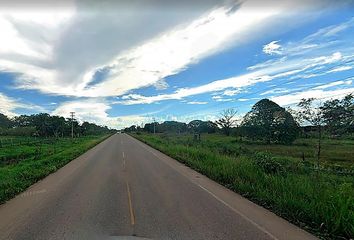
{"x": 111, "y": 69}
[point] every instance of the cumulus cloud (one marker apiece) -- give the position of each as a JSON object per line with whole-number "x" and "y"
{"x": 9, "y": 105}
{"x": 97, "y": 111}
{"x": 82, "y": 43}
{"x": 85, "y": 110}
{"x": 77, "y": 51}
{"x": 272, "y": 48}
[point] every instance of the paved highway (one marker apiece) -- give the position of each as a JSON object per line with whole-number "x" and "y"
{"x": 123, "y": 187}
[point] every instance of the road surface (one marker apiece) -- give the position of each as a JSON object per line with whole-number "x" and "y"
{"x": 123, "y": 187}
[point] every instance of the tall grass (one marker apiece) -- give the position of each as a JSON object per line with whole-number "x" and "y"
{"x": 319, "y": 201}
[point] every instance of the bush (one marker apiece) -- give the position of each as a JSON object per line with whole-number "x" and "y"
{"x": 268, "y": 163}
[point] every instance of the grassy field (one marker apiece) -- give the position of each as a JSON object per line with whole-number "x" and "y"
{"x": 320, "y": 200}
{"x": 24, "y": 161}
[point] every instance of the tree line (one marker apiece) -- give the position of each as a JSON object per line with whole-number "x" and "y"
{"x": 45, "y": 125}
{"x": 270, "y": 123}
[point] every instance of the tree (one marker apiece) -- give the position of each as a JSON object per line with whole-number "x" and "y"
{"x": 338, "y": 115}
{"x": 5, "y": 122}
{"x": 171, "y": 126}
{"x": 269, "y": 122}
{"x": 199, "y": 126}
{"x": 22, "y": 121}
{"x": 149, "y": 127}
{"x": 309, "y": 113}
{"x": 42, "y": 123}
{"x": 227, "y": 120}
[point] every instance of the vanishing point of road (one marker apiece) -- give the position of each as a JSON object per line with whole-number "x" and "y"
{"x": 123, "y": 187}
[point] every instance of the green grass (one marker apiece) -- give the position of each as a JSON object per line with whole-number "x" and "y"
{"x": 25, "y": 161}
{"x": 319, "y": 200}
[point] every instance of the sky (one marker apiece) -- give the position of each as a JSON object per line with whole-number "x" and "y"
{"x": 119, "y": 63}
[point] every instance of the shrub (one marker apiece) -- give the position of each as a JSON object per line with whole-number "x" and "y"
{"x": 268, "y": 163}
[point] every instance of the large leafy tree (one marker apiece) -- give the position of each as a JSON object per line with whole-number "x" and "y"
{"x": 227, "y": 120}
{"x": 269, "y": 122}
{"x": 338, "y": 115}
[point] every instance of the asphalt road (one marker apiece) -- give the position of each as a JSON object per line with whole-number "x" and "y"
{"x": 123, "y": 187}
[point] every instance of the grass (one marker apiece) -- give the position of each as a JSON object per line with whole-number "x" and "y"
{"x": 274, "y": 176}
{"x": 25, "y": 161}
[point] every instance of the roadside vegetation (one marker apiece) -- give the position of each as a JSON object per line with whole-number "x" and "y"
{"x": 31, "y": 147}
{"x": 298, "y": 163}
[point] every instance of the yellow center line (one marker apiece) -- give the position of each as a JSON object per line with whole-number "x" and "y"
{"x": 132, "y": 218}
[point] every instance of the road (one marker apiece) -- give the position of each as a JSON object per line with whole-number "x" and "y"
{"x": 123, "y": 187}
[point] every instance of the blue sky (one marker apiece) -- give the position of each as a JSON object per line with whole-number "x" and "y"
{"x": 119, "y": 64}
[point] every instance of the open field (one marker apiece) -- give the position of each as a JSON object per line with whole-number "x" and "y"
{"x": 275, "y": 176}
{"x": 24, "y": 161}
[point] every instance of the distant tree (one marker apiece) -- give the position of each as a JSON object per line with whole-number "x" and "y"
{"x": 338, "y": 115}
{"x": 227, "y": 120}
{"x": 5, "y": 122}
{"x": 149, "y": 127}
{"x": 310, "y": 113}
{"x": 172, "y": 126}
{"x": 130, "y": 129}
{"x": 57, "y": 126}
{"x": 42, "y": 123}
{"x": 194, "y": 125}
{"x": 269, "y": 122}
{"x": 199, "y": 126}
{"x": 22, "y": 121}
{"x": 45, "y": 125}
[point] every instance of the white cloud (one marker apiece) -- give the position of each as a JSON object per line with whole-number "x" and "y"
{"x": 268, "y": 63}
{"x": 8, "y": 105}
{"x": 230, "y": 92}
{"x": 333, "y": 84}
{"x": 313, "y": 93}
{"x": 64, "y": 60}
{"x": 85, "y": 110}
{"x": 161, "y": 84}
{"x": 95, "y": 110}
{"x": 272, "y": 48}
{"x": 224, "y": 100}
{"x": 340, "y": 69}
{"x": 291, "y": 69}
{"x": 329, "y": 31}
{"x": 173, "y": 51}
{"x": 196, "y": 103}
{"x": 275, "y": 90}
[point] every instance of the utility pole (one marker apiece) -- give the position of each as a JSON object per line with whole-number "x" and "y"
{"x": 72, "y": 114}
